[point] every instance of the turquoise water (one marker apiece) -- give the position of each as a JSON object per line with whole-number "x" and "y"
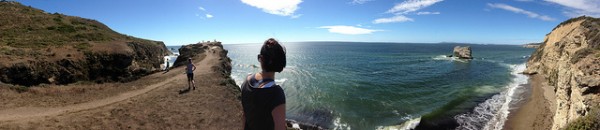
{"x": 340, "y": 85}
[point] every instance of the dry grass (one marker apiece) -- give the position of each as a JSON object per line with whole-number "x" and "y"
{"x": 26, "y": 30}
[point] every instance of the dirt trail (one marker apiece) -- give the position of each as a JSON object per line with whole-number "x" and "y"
{"x": 158, "y": 105}
{"x": 33, "y": 112}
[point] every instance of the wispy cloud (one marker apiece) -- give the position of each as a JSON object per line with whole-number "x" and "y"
{"x": 427, "y": 13}
{"x": 295, "y": 16}
{"x": 411, "y": 6}
{"x": 276, "y": 7}
{"x": 349, "y": 30}
{"x": 520, "y": 11}
{"x": 400, "y": 10}
{"x": 397, "y": 18}
{"x": 524, "y": 0}
{"x": 207, "y": 15}
{"x": 360, "y": 1}
{"x": 579, "y": 7}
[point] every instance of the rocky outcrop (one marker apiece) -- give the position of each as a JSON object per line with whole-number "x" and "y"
{"x": 199, "y": 51}
{"x": 195, "y": 51}
{"x": 96, "y": 66}
{"x": 462, "y": 52}
{"x": 569, "y": 59}
{"x": 42, "y": 48}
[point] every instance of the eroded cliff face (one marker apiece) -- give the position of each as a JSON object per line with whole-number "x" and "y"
{"x": 569, "y": 60}
{"x": 130, "y": 61}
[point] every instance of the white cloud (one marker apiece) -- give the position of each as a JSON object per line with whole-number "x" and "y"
{"x": 209, "y": 16}
{"x": 579, "y": 7}
{"x": 360, "y": 1}
{"x": 397, "y": 18}
{"x": 427, "y": 13}
{"x": 350, "y": 30}
{"x": 524, "y": 0}
{"x": 296, "y": 16}
{"x": 277, "y": 7}
{"x": 201, "y": 8}
{"x": 401, "y": 9}
{"x": 520, "y": 11}
{"x": 411, "y": 6}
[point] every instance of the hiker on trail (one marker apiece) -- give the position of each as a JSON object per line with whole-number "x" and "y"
{"x": 167, "y": 68}
{"x": 264, "y": 101}
{"x": 189, "y": 69}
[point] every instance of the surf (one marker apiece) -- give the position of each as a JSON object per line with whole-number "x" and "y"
{"x": 492, "y": 113}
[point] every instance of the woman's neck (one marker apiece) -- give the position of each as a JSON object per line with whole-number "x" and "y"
{"x": 267, "y": 75}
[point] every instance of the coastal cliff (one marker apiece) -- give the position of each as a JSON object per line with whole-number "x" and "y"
{"x": 198, "y": 52}
{"x": 37, "y": 47}
{"x": 569, "y": 62}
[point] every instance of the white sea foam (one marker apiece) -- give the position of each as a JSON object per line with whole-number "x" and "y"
{"x": 444, "y": 57}
{"x": 409, "y": 124}
{"x": 338, "y": 125}
{"x": 239, "y": 79}
{"x": 491, "y": 114}
{"x": 280, "y": 81}
{"x": 296, "y": 125}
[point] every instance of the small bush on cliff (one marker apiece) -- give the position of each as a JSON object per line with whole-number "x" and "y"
{"x": 19, "y": 89}
{"x": 591, "y": 121}
{"x": 581, "y": 54}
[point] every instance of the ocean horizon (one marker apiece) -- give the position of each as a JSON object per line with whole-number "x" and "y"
{"x": 360, "y": 85}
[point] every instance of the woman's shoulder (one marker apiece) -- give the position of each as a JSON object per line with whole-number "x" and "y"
{"x": 249, "y": 77}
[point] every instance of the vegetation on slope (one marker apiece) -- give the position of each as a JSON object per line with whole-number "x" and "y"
{"x": 591, "y": 121}
{"x": 39, "y": 47}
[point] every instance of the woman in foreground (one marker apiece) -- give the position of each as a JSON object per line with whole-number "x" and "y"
{"x": 264, "y": 101}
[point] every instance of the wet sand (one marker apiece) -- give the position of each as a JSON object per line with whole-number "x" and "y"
{"x": 537, "y": 111}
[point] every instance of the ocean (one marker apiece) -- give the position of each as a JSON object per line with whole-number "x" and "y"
{"x": 352, "y": 85}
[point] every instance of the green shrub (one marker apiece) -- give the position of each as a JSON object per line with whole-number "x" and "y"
{"x": 57, "y": 19}
{"x": 591, "y": 121}
{"x": 66, "y": 29}
{"x": 82, "y": 46}
{"x": 19, "y": 89}
{"x": 51, "y": 28}
{"x": 581, "y": 54}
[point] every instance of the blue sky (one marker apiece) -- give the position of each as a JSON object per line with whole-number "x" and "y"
{"x": 253, "y": 21}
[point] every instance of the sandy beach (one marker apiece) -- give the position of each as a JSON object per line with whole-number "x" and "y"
{"x": 538, "y": 109}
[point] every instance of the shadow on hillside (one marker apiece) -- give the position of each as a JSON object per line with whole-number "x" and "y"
{"x": 183, "y": 91}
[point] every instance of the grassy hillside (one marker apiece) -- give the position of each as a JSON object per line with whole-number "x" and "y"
{"x": 39, "y": 47}
{"x": 26, "y": 27}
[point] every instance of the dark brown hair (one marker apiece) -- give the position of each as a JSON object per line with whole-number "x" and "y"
{"x": 273, "y": 56}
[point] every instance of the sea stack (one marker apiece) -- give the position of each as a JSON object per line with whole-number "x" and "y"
{"x": 463, "y": 52}
{"x": 569, "y": 61}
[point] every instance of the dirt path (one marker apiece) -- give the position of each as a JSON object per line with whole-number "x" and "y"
{"x": 159, "y": 105}
{"x": 35, "y": 112}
